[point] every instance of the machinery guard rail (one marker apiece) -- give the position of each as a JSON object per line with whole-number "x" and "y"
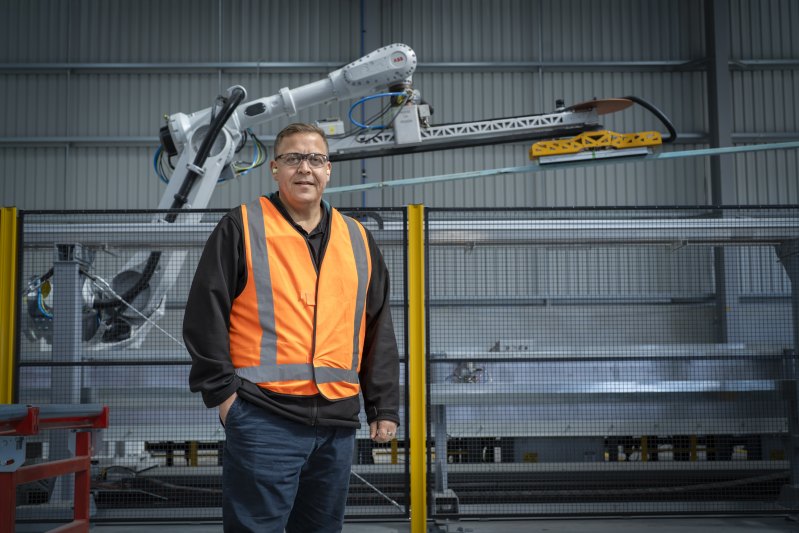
{"x": 18, "y": 421}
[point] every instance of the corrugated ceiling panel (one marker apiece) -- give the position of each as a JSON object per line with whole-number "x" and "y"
{"x": 33, "y": 178}
{"x": 78, "y": 178}
{"x": 767, "y": 177}
{"x": 109, "y": 31}
{"x": 548, "y": 30}
{"x": 297, "y": 31}
{"x": 112, "y": 178}
{"x": 464, "y": 30}
{"x": 765, "y": 101}
{"x": 764, "y": 29}
{"x": 34, "y": 105}
{"x": 34, "y": 31}
{"x": 135, "y": 104}
{"x": 118, "y": 31}
{"x": 621, "y": 30}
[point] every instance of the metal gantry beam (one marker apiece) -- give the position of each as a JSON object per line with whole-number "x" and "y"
{"x": 719, "y": 98}
{"x": 601, "y": 232}
{"x": 213, "y": 67}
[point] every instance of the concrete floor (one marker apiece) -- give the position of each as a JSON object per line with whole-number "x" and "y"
{"x": 771, "y": 524}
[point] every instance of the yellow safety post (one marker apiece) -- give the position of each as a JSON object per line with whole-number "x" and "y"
{"x": 394, "y": 452}
{"x": 8, "y": 300}
{"x": 416, "y": 365}
{"x": 194, "y": 453}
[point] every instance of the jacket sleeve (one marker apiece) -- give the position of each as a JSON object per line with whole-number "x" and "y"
{"x": 379, "y": 373}
{"x": 217, "y": 281}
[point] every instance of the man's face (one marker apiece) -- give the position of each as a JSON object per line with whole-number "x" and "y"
{"x": 301, "y": 186}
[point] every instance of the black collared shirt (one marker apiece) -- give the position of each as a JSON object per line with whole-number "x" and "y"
{"x": 316, "y": 238}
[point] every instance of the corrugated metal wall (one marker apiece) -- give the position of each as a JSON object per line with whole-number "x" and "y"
{"x": 80, "y": 123}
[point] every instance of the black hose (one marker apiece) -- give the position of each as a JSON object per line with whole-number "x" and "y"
{"x": 143, "y": 282}
{"x": 659, "y": 114}
{"x": 231, "y": 103}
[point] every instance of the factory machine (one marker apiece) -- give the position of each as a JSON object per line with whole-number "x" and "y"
{"x": 107, "y": 316}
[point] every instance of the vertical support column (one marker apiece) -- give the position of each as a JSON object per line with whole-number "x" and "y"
{"x": 417, "y": 388}
{"x": 788, "y": 254}
{"x": 67, "y": 334}
{"x": 722, "y": 170}
{"x": 67, "y": 326}
{"x": 719, "y": 98}
{"x": 371, "y": 21}
{"x": 8, "y": 502}
{"x": 83, "y": 449}
{"x": 8, "y": 301}
{"x": 440, "y": 421}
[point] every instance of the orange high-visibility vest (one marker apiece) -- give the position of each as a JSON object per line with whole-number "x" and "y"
{"x": 293, "y": 330}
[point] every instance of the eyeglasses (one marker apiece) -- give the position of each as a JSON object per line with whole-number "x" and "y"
{"x": 294, "y": 159}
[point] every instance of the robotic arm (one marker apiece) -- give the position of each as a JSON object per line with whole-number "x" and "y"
{"x": 219, "y": 130}
{"x": 386, "y": 67}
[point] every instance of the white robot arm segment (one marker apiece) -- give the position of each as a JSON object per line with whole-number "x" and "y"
{"x": 391, "y": 64}
{"x": 377, "y": 70}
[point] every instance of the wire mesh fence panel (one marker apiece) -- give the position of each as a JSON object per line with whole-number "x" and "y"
{"x": 102, "y": 301}
{"x": 379, "y": 485}
{"x": 611, "y": 361}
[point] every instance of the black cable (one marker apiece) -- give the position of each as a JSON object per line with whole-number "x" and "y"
{"x": 218, "y": 122}
{"x": 659, "y": 114}
{"x": 237, "y": 95}
{"x": 243, "y": 142}
{"x": 144, "y": 281}
{"x": 369, "y": 121}
{"x": 390, "y": 122}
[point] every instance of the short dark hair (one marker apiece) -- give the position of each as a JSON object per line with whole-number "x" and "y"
{"x": 299, "y": 127}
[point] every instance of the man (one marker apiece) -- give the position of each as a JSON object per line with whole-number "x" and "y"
{"x": 286, "y": 322}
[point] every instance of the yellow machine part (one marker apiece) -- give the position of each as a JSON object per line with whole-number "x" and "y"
{"x": 595, "y": 140}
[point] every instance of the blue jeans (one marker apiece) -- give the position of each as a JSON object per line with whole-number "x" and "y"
{"x": 281, "y": 474}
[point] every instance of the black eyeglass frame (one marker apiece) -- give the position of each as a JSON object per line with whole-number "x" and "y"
{"x": 302, "y": 157}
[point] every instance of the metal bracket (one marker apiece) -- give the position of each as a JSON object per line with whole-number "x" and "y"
{"x": 194, "y": 168}
{"x": 12, "y": 453}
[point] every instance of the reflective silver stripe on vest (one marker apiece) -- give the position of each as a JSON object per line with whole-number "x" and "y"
{"x": 265, "y": 373}
{"x": 263, "y": 294}
{"x": 326, "y": 374}
{"x": 362, "y": 267}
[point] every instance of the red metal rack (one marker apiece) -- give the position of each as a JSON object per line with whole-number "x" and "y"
{"x": 18, "y": 421}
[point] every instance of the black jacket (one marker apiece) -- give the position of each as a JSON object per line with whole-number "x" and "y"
{"x": 220, "y": 277}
